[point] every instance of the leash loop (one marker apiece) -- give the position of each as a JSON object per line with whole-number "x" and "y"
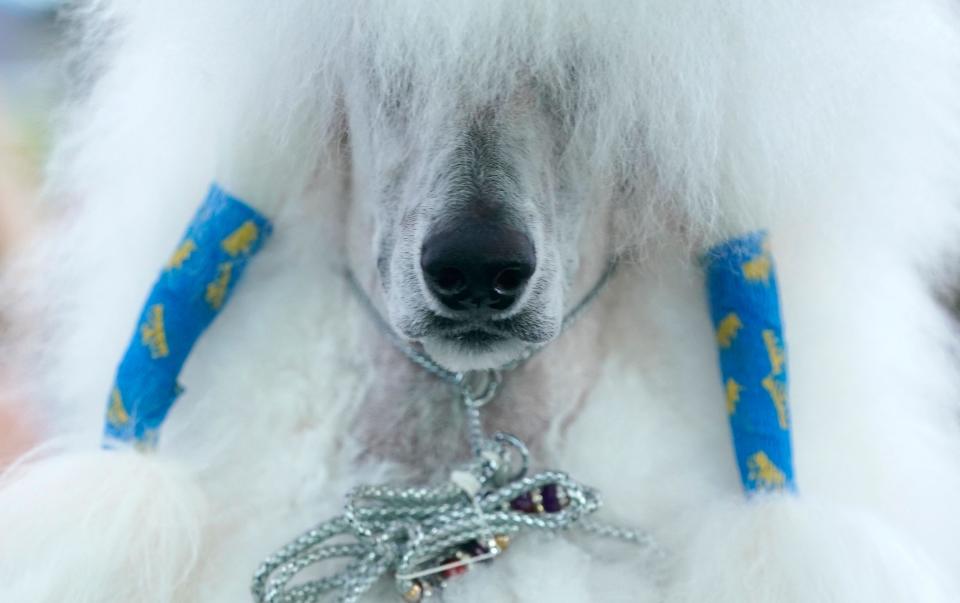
{"x": 423, "y": 535}
{"x": 480, "y": 387}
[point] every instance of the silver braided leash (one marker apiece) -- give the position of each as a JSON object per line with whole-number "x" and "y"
{"x": 402, "y": 529}
{"x": 425, "y": 535}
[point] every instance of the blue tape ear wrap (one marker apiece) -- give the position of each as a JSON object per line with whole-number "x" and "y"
{"x": 189, "y": 293}
{"x": 745, "y": 308}
{"x": 225, "y": 233}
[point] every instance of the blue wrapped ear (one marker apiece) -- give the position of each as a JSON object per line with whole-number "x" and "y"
{"x": 189, "y": 293}
{"x": 745, "y": 309}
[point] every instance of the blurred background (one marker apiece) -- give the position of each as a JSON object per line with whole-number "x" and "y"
{"x": 31, "y": 82}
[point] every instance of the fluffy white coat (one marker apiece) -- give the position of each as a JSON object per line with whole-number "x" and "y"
{"x": 831, "y": 122}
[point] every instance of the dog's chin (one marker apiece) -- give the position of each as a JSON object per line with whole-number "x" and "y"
{"x": 474, "y": 351}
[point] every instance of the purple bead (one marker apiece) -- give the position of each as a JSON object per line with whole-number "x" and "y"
{"x": 551, "y": 498}
{"x": 523, "y": 503}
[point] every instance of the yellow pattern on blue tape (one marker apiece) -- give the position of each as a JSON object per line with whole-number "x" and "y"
{"x": 745, "y": 310}
{"x": 196, "y": 282}
{"x": 778, "y": 394}
{"x": 117, "y": 412}
{"x": 764, "y": 473}
{"x": 727, "y": 330}
{"x": 758, "y": 268}
{"x": 217, "y": 290}
{"x": 181, "y": 255}
{"x": 774, "y": 387}
{"x": 242, "y": 239}
{"x": 153, "y": 335}
{"x": 774, "y": 351}
{"x": 733, "y": 395}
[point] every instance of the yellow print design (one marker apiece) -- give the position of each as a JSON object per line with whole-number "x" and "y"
{"x": 182, "y": 254}
{"x": 152, "y": 333}
{"x": 733, "y": 395}
{"x": 758, "y": 269}
{"x": 217, "y": 290}
{"x": 242, "y": 239}
{"x": 774, "y": 351}
{"x": 764, "y": 472}
{"x": 777, "y": 391}
{"x": 727, "y": 330}
{"x": 117, "y": 413}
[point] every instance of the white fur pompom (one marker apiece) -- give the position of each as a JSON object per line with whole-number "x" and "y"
{"x": 793, "y": 550}
{"x": 98, "y": 527}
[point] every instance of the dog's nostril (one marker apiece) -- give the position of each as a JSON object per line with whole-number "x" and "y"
{"x": 448, "y": 281}
{"x": 477, "y": 265}
{"x": 510, "y": 281}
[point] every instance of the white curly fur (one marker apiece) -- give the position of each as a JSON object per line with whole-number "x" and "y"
{"x": 831, "y": 122}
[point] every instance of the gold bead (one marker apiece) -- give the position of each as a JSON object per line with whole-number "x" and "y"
{"x": 536, "y": 496}
{"x": 502, "y": 540}
{"x": 414, "y": 594}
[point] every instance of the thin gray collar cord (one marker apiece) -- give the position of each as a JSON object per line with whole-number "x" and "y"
{"x": 458, "y": 378}
{"x": 426, "y": 535}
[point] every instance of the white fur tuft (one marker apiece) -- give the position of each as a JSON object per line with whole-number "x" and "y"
{"x": 797, "y": 550}
{"x": 104, "y": 527}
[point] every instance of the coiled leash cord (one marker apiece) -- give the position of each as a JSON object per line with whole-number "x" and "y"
{"x": 425, "y": 535}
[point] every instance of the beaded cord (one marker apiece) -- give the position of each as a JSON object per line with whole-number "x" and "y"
{"x": 446, "y": 528}
{"x": 401, "y": 529}
{"x": 424, "y": 535}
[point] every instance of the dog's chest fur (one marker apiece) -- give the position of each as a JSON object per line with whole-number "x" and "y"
{"x": 411, "y": 418}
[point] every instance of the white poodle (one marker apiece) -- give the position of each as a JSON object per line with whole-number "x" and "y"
{"x": 476, "y": 165}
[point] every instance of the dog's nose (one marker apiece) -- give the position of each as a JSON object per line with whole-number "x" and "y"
{"x": 477, "y": 265}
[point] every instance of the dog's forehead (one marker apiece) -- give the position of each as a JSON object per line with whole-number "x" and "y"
{"x": 401, "y": 100}
{"x": 391, "y": 89}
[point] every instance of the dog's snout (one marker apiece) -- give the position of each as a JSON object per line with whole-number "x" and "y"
{"x": 477, "y": 265}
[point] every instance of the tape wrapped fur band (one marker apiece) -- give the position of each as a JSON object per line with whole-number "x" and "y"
{"x": 745, "y": 308}
{"x": 189, "y": 293}
{"x": 226, "y": 232}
